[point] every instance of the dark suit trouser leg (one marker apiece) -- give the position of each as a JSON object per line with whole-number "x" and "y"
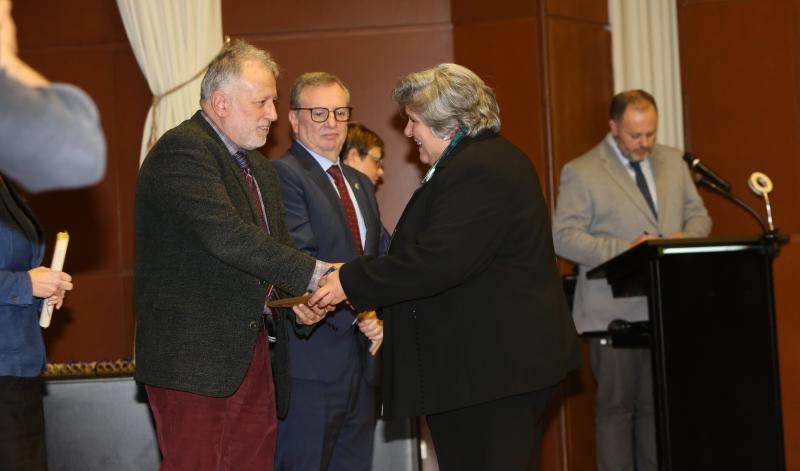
{"x": 504, "y": 434}
{"x": 21, "y": 424}
{"x": 329, "y": 426}
{"x": 624, "y": 410}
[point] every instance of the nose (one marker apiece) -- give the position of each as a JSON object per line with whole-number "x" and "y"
{"x": 331, "y": 121}
{"x": 407, "y": 130}
{"x": 272, "y": 112}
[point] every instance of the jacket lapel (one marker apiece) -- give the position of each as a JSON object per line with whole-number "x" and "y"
{"x": 662, "y": 185}
{"x": 230, "y": 165}
{"x": 323, "y": 181}
{"x": 623, "y": 179}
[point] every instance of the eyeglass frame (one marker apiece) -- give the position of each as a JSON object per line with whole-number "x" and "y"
{"x": 378, "y": 160}
{"x": 328, "y": 113}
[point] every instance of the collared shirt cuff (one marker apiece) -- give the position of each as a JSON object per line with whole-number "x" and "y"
{"x": 320, "y": 270}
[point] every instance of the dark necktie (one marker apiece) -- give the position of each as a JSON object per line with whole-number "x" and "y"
{"x": 256, "y": 200}
{"x": 347, "y": 204}
{"x": 642, "y": 184}
{"x": 252, "y": 188}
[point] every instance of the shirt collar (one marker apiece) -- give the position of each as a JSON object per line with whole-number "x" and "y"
{"x": 323, "y": 161}
{"x": 625, "y": 161}
{"x": 229, "y": 144}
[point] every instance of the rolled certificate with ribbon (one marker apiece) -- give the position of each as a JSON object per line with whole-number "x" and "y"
{"x": 59, "y": 252}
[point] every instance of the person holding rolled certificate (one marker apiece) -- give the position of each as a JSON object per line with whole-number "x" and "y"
{"x": 24, "y": 286}
{"x": 477, "y": 334}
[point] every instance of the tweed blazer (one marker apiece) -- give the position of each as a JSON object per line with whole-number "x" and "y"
{"x": 473, "y": 304}
{"x": 203, "y": 262}
{"x": 600, "y": 210}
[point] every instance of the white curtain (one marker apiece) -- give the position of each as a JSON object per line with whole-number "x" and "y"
{"x": 173, "y": 41}
{"x": 644, "y": 38}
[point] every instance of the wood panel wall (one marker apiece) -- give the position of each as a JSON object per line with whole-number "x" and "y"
{"x": 740, "y": 67}
{"x": 548, "y": 60}
{"x": 84, "y": 43}
{"x": 553, "y": 80}
{"x": 535, "y": 54}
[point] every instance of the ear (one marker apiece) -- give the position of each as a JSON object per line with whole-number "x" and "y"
{"x": 294, "y": 120}
{"x": 612, "y": 124}
{"x": 351, "y": 156}
{"x": 220, "y": 103}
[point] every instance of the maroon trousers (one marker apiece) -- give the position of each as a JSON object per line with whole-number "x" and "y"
{"x": 234, "y": 433}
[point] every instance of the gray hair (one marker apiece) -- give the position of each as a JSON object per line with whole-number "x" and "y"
{"x": 313, "y": 79}
{"x": 447, "y": 97}
{"x": 227, "y": 66}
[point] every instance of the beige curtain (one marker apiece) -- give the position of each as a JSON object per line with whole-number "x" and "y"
{"x": 644, "y": 37}
{"x": 173, "y": 41}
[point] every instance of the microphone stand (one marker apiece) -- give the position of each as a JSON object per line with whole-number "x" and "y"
{"x": 769, "y": 236}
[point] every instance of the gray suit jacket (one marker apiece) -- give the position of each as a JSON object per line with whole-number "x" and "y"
{"x": 600, "y": 210}
{"x": 51, "y": 136}
{"x": 203, "y": 262}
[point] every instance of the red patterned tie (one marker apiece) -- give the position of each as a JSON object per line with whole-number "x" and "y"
{"x": 347, "y": 204}
{"x": 252, "y": 188}
{"x": 257, "y": 201}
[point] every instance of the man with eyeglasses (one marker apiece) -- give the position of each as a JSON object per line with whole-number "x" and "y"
{"x": 332, "y": 215}
{"x": 363, "y": 150}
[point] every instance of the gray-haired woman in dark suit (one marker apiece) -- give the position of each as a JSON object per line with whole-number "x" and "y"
{"x": 477, "y": 331}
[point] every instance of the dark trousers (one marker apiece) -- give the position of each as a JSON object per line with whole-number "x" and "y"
{"x": 625, "y": 431}
{"x": 330, "y": 425}
{"x": 234, "y": 433}
{"x": 504, "y": 434}
{"x": 21, "y": 424}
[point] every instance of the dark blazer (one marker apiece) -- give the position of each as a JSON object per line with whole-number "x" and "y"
{"x": 203, "y": 262}
{"x": 474, "y": 308}
{"x": 318, "y": 226}
{"x": 21, "y": 249}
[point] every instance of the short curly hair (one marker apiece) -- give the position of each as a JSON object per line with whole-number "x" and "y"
{"x": 448, "y": 97}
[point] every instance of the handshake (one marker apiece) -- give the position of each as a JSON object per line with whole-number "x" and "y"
{"x": 310, "y": 310}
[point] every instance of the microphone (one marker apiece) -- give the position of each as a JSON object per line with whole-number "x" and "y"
{"x": 705, "y": 172}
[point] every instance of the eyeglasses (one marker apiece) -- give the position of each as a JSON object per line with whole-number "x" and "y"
{"x": 320, "y": 115}
{"x": 377, "y": 158}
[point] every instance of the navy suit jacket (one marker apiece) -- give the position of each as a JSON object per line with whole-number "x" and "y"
{"x": 318, "y": 226}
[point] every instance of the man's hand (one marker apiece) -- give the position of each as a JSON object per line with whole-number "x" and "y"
{"x": 372, "y": 328}
{"x": 50, "y": 284}
{"x": 310, "y": 315}
{"x": 330, "y": 292}
{"x": 642, "y": 238}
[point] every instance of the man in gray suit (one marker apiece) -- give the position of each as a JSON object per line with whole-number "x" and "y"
{"x": 625, "y": 190}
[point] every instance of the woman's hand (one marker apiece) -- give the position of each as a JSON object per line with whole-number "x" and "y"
{"x": 372, "y": 327}
{"x": 50, "y": 284}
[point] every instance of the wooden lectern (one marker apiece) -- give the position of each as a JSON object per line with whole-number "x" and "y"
{"x": 713, "y": 341}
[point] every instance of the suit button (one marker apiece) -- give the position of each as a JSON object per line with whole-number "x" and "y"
{"x": 254, "y": 325}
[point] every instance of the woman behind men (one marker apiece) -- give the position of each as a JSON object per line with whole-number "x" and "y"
{"x": 477, "y": 332}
